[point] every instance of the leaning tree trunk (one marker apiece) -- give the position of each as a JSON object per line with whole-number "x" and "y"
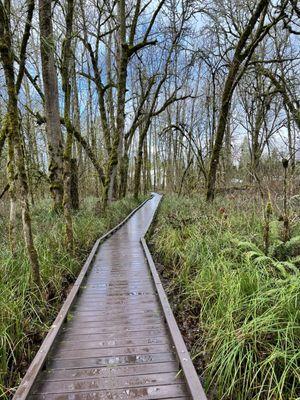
{"x": 53, "y": 128}
{"x": 242, "y": 51}
{"x": 215, "y": 156}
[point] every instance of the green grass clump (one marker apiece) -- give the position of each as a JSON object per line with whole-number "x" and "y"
{"x": 242, "y": 307}
{"x": 25, "y": 317}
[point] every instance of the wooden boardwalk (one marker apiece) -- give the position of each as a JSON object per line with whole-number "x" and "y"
{"x": 120, "y": 339}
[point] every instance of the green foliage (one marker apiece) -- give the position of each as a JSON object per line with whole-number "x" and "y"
{"x": 254, "y": 255}
{"x": 244, "y": 305}
{"x": 285, "y": 250}
{"x": 25, "y": 317}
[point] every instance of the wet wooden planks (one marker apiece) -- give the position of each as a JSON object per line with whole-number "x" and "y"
{"x": 115, "y": 343}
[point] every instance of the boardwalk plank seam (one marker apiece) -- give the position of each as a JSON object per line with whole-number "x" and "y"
{"x": 38, "y": 362}
{"x": 121, "y": 340}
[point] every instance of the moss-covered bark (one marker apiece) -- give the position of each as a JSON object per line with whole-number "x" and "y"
{"x": 54, "y": 137}
{"x": 16, "y": 154}
{"x": 122, "y": 62}
{"x": 66, "y": 64}
{"x": 74, "y": 192}
{"x": 242, "y": 51}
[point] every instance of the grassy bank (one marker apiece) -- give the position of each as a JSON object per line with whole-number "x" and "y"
{"x": 239, "y": 309}
{"x": 25, "y": 318}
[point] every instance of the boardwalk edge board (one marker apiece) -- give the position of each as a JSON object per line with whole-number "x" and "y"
{"x": 40, "y": 358}
{"x": 189, "y": 372}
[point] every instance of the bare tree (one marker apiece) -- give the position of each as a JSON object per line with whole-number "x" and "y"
{"x": 248, "y": 40}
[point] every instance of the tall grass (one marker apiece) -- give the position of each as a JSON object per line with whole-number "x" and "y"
{"x": 25, "y": 317}
{"x": 240, "y": 310}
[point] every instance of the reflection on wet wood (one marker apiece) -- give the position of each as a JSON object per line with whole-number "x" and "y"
{"x": 115, "y": 343}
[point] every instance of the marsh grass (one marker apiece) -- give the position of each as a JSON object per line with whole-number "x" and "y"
{"x": 243, "y": 308}
{"x": 25, "y": 314}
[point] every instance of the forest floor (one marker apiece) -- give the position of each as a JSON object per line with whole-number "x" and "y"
{"x": 238, "y": 308}
{"x": 25, "y": 317}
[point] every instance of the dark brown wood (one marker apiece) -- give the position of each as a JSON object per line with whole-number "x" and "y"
{"x": 97, "y": 344}
{"x": 116, "y": 341}
{"x": 142, "y": 393}
{"x": 187, "y": 366}
{"x": 106, "y": 383}
{"x": 94, "y": 362}
{"x": 147, "y": 333}
{"x": 104, "y": 372}
{"x": 40, "y": 358}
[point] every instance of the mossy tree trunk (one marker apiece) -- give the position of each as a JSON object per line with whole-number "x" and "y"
{"x": 139, "y": 157}
{"x": 53, "y": 128}
{"x": 11, "y": 178}
{"x": 242, "y": 51}
{"x": 256, "y": 150}
{"x": 122, "y": 64}
{"x": 138, "y": 167}
{"x": 3, "y": 134}
{"x": 124, "y": 173}
{"x": 74, "y": 192}
{"x": 66, "y": 85}
{"x": 16, "y": 152}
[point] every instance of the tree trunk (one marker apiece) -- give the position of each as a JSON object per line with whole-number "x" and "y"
{"x": 15, "y": 143}
{"x": 256, "y": 145}
{"x": 291, "y": 140}
{"x": 138, "y": 167}
{"x": 74, "y": 192}
{"x": 11, "y": 177}
{"x": 240, "y": 55}
{"x": 3, "y": 134}
{"x": 76, "y": 116}
{"x": 225, "y": 106}
{"x": 66, "y": 85}
{"x": 53, "y": 128}
{"x": 122, "y": 62}
{"x": 124, "y": 174}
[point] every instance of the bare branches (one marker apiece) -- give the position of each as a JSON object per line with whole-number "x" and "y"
{"x": 26, "y": 35}
{"x": 282, "y": 88}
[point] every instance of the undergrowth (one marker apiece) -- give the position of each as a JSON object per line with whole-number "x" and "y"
{"x": 25, "y": 317}
{"x": 238, "y": 308}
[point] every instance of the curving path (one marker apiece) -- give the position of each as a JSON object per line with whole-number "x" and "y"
{"x": 115, "y": 343}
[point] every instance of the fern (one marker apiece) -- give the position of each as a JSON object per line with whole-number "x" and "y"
{"x": 293, "y": 246}
{"x": 263, "y": 260}
{"x": 291, "y": 266}
{"x": 245, "y": 246}
{"x": 280, "y": 268}
{"x": 253, "y": 254}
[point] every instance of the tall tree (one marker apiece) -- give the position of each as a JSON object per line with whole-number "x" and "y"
{"x": 247, "y": 42}
{"x": 53, "y": 128}
{"x": 16, "y": 151}
{"x": 66, "y": 85}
